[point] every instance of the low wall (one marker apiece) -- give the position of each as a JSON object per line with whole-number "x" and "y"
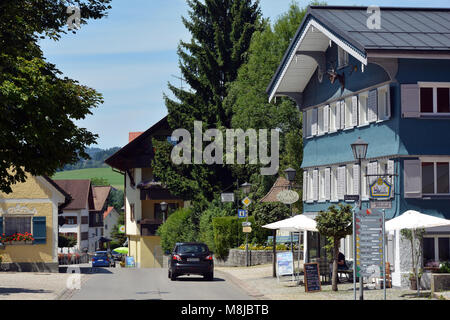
{"x": 30, "y": 267}
{"x": 236, "y": 258}
{"x": 440, "y": 282}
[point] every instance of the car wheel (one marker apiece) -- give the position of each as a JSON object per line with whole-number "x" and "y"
{"x": 209, "y": 276}
{"x": 168, "y": 274}
{"x": 173, "y": 276}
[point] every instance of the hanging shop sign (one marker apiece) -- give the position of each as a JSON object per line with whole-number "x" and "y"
{"x": 288, "y": 196}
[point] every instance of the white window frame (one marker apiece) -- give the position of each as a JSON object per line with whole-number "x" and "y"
{"x": 434, "y": 86}
{"x": 363, "y": 112}
{"x": 14, "y": 215}
{"x": 434, "y": 160}
{"x": 348, "y": 113}
{"x": 384, "y": 103}
{"x": 343, "y": 58}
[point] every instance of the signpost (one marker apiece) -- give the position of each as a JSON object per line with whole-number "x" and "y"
{"x": 242, "y": 213}
{"x": 246, "y": 201}
{"x": 312, "y": 277}
{"x": 369, "y": 229}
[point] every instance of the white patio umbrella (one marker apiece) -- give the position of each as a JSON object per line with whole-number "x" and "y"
{"x": 294, "y": 224}
{"x": 415, "y": 220}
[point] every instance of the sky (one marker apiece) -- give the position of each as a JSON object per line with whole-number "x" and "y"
{"x": 130, "y": 56}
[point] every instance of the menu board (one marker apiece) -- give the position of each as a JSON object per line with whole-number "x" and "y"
{"x": 312, "y": 277}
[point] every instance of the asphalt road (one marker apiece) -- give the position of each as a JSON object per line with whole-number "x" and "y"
{"x": 153, "y": 284}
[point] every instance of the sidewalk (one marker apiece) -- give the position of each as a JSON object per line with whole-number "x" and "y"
{"x": 259, "y": 283}
{"x": 32, "y": 286}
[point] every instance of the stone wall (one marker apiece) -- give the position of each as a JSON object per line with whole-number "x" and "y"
{"x": 236, "y": 258}
{"x": 440, "y": 282}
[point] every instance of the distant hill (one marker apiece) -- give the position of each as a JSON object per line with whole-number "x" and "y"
{"x": 98, "y": 156}
{"x": 115, "y": 179}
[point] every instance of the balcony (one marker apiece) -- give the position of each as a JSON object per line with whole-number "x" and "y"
{"x": 148, "y": 227}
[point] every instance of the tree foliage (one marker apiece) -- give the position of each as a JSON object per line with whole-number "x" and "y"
{"x": 336, "y": 224}
{"x": 38, "y": 107}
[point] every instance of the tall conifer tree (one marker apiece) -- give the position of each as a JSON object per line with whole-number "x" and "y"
{"x": 221, "y": 33}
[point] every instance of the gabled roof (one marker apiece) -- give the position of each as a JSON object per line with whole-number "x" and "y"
{"x": 281, "y": 184}
{"x": 100, "y": 195}
{"x": 121, "y": 159}
{"x": 79, "y": 190}
{"x": 403, "y": 31}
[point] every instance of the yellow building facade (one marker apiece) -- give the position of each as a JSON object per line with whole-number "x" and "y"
{"x": 32, "y": 207}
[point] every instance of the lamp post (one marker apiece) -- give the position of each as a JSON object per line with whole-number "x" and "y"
{"x": 359, "y": 148}
{"x": 246, "y": 187}
{"x": 290, "y": 176}
{"x": 163, "y": 209}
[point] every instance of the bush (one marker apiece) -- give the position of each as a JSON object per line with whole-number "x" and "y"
{"x": 206, "y": 230}
{"x": 179, "y": 227}
{"x": 444, "y": 267}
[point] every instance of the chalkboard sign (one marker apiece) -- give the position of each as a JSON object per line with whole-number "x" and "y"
{"x": 312, "y": 277}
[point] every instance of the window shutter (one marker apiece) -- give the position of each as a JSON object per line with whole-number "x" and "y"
{"x": 341, "y": 183}
{"x": 342, "y": 107}
{"x": 305, "y": 188}
{"x": 412, "y": 179}
{"x": 356, "y": 179}
{"x": 337, "y": 118}
{"x": 327, "y": 183}
{"x": 39, "y": 230}
{"x": 316, "y": 185}
{"x": 326, "y": 118}
{"x": 391, "y": 170}
{"x": 354, "y": 111}
{"x": 314, "y": 122}
{"x": 372, "y": 106}
{"x": 388, "y": 102}
{"x": 410, "y": 100}
{"x": 320, "y": 120}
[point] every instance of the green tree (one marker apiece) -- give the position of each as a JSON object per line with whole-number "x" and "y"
{"x": 98, "y": 181}
{"x": 116, "y": 199}
{"x": 221, "y": 32}
{"x": 66, "y": 241}
{"x": 269, "y": 212}
{"x": 38, "y": 107}
{"x": 336, "y": 224}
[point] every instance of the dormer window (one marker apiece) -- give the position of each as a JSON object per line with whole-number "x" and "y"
{"x": 342, "y": 58}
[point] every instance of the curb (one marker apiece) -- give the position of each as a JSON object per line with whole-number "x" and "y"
{"x": 251, "y": 291}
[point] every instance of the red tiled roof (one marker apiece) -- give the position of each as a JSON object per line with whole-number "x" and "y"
{"x": 78, "y": 190}
{"x": 133, "y": 135}
{"x": 107, "y": 212}
{"x": 279, "y": 185}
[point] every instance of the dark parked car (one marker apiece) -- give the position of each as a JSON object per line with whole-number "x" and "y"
{"x": 103, "y": 259}
{"x": 191, "y": 258}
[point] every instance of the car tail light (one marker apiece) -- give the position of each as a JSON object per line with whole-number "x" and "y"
{"x": 176, "y": 257}
{"x": 93, "y": 259}
{"x": 210, "y": 257}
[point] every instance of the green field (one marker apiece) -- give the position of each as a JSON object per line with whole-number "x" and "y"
{"x": 115, "y": 179}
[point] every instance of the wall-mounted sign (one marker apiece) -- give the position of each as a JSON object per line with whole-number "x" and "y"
{"x": 381, "y": 204}
{"x": 246, "y": 229}
{"x": 288, "y": 196}
{"x": 351, "y": 197}
{"x": 246, "y": 224}
{"x": 227, "y": 197}
{"x": 122, "y": 229}
{"x": 380, "y": 189}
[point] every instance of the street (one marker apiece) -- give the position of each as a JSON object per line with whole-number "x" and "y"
{"x": 152, "y": 284}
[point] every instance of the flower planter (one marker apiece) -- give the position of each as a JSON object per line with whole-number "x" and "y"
{"x": 20, "y": 243}
{"x": 440, "y": 282}
{"x": 413, "y": 284}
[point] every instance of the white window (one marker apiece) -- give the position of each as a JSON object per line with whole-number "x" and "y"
{"x": 384, "y": 105}
{"x": 322, "y": 185}
{"x": 334, "y": 123}
{"x": 342, "y": 58}
{"x": 342, "y": 115}
{"x": 341, "y": 183}
{"x": 362, "y": 106}
{"x": 372, "y": 106}
{"x": 348, "y": 113}
{"x": 316, "y": 184}
{"x": 349, "y": 179}
{"x": 435, "y": 177}
{"x": 305, "y": 185}
{"x": 310, "y": 192}
{"x": 436, "y": 248}
{"x": 334, "y": 184}
{"x": 434, "y": 98}
{"x": 327, "y": 184}
{"x": 320, "y": 124}
{"x": 326, "y": 118}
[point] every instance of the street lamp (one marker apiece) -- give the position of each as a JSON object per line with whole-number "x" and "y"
{"x": 246, "y": 187}
{"x": 163, "y": 209}
{"x": 359, "y": 148}
{"x": 290, "y": 174}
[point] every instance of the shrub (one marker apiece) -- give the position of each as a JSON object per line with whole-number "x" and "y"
{"x": 179, "y": 227}
{"x": 444, "y": 267}
{"x": 206, "y": 230}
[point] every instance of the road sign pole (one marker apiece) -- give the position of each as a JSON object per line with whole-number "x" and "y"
{"x": 361, "y": 278}
{"x": 384, "y": 256}
{"x": 354, "y": 255}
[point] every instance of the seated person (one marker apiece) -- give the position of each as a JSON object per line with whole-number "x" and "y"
{"x": 341, "y": 262}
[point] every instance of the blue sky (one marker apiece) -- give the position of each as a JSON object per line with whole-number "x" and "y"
{"x": 131, "y": 55}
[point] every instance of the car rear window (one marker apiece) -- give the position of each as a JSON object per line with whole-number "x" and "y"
{"x": 100, "y": 254}
{"x": 192, "y": 248}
